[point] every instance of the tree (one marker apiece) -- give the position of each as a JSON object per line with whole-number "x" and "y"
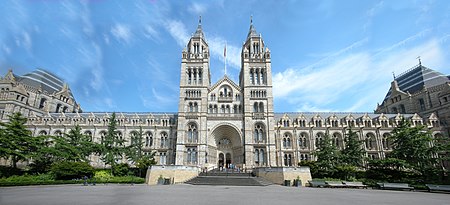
{"x": 16, "y": 141}
{"x": 135, "y": 150}
{"x": 71, "y": 147}
{"x": 82, "y": 143}
{"x": 416, "y": 147}
{"x": 136, "y": 153}
{"x": 353, "y": 154}
{"x": 327, "y": 157}
{"x": 113, "y": 146}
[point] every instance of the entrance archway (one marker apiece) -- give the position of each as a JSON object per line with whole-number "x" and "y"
{"x": 228, "y": 145}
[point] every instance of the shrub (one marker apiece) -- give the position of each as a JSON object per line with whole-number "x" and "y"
{"x": 6, "y": 171}
{"x": 102, "y": 175}
{"x": 71, "y": 170}
{"x": 121, "y": 169}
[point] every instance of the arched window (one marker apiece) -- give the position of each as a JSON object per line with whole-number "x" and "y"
{"x": 258, "y": 133}
{"x": 42, "y": 103}
{"x": 192, "y": 133}
{"x": 303, "y": 140}
{"x": 148, "y": 139}
{"x": 164, "y": 140}
{"x": 261, "y": 107}
{"x": 256, "y": 156}
{"x": 255, "y": 107}
{"x": 191, "y": 107}
{"x": 287, "y": 141}
{"x": 386, "y": 142}
{"x": 58, "y": 133}
{"x": 370, "y": 141}
{"x": 102, "y": 137}
{"x": 337, "y": 140}
{"x": 319, "y": 138}
{"x": 42, "y": 133}
{"x": 89, "y": 135}
{"x": 288, "y": 160}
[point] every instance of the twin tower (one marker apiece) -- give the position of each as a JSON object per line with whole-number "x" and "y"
{"x": 226, "y": 123}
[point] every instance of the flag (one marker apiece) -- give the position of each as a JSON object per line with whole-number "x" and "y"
{"x": 225, "y": 51}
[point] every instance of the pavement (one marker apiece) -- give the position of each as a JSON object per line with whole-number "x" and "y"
{"x": 185, "y": 194}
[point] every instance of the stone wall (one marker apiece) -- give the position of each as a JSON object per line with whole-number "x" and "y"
{"x": 277, "y": 175}
{"x": 176, "y": 173}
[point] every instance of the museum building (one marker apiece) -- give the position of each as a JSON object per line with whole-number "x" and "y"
{"x": 229, "y": 122}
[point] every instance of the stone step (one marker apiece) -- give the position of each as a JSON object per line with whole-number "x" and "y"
{"x": 228, "y": 181}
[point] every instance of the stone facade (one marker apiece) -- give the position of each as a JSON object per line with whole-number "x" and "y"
{"x": 216, "y": 124}
{"x": 420, "y": 90}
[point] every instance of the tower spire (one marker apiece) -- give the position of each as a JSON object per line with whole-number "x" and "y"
{"x": 199, "y": 31}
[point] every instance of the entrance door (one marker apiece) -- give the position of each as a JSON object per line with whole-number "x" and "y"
{"x": 221, "y": 160}
{"x": 228, "y": 160}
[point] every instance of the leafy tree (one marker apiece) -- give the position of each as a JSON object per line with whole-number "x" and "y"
{"x": 72, "y": 147}
{"x": 327, "y": 157}
{"x": 82, "y": 143}
{"x": 389, "y": 169}
{"x": 413, "y": 145}
{"x": 135, "y": 150}
{"x": 113, "y": 146}
{"x": 416, "y": 146}
{"x": 16, "y": 141}
{"x": 136, "y": 153}
{"x": 353, "y": 154}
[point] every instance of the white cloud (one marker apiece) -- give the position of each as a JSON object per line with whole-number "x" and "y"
{"x": 178, "y": 31}
{"x": 216, "y": 47}
{"x": 121, "y": 32}
{"x": 151, "y": 33}
{"x": 6, "y": 49}
{"x": 358, "y": 79}
{"x": 197, "y": 8}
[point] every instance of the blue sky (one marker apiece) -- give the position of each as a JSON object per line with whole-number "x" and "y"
{"x": 125, "y": 55}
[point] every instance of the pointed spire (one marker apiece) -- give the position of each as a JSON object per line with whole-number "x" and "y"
{"x": 10, "y": 76}
{"x": 199, "y": 31}
{"x": 252, "y": 30}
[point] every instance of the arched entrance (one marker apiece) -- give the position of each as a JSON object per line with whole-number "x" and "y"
{"x": 228, "y": 146}
{"x": 221, "y": 160}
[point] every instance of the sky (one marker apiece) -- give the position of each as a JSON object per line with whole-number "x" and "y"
{"x": 125, "y": 56}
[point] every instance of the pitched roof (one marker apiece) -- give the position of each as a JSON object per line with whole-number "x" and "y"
{"x": 417, "y": 78}
{"x": 43, "y": 79}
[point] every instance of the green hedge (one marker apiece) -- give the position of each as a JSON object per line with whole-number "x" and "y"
{"x": 48, "y": 179}
{"x": 71, "y": 170}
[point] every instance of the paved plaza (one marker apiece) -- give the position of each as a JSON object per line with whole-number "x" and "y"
{"x": 198, "y": 195}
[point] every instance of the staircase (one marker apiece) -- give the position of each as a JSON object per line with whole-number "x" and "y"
{"x": 228, "y": 178}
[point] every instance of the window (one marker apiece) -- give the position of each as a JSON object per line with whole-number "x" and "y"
{"x": 192, "y": 133}
{"x": 162, "y": 158}
{"x": 370, "y": 141}
{"x": 89, "y": 135}
{"x": 402, "y": 109}
{"x": 385, "y": 141}
{"x": 259, "y": 156}
{"x": 303, "y": 140}
{"x": 288, "y": 160}
{"x": 191, "y": 155}
{"x": 337, "y": 140}
{"x": 319, "y": 138}
{"x": 164, "y": 140}
{"x": 422, "y": 104}
{"x": 148, "y": 139}
{"x": 258, "y": 133}
{"x": 287, "y": 141}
